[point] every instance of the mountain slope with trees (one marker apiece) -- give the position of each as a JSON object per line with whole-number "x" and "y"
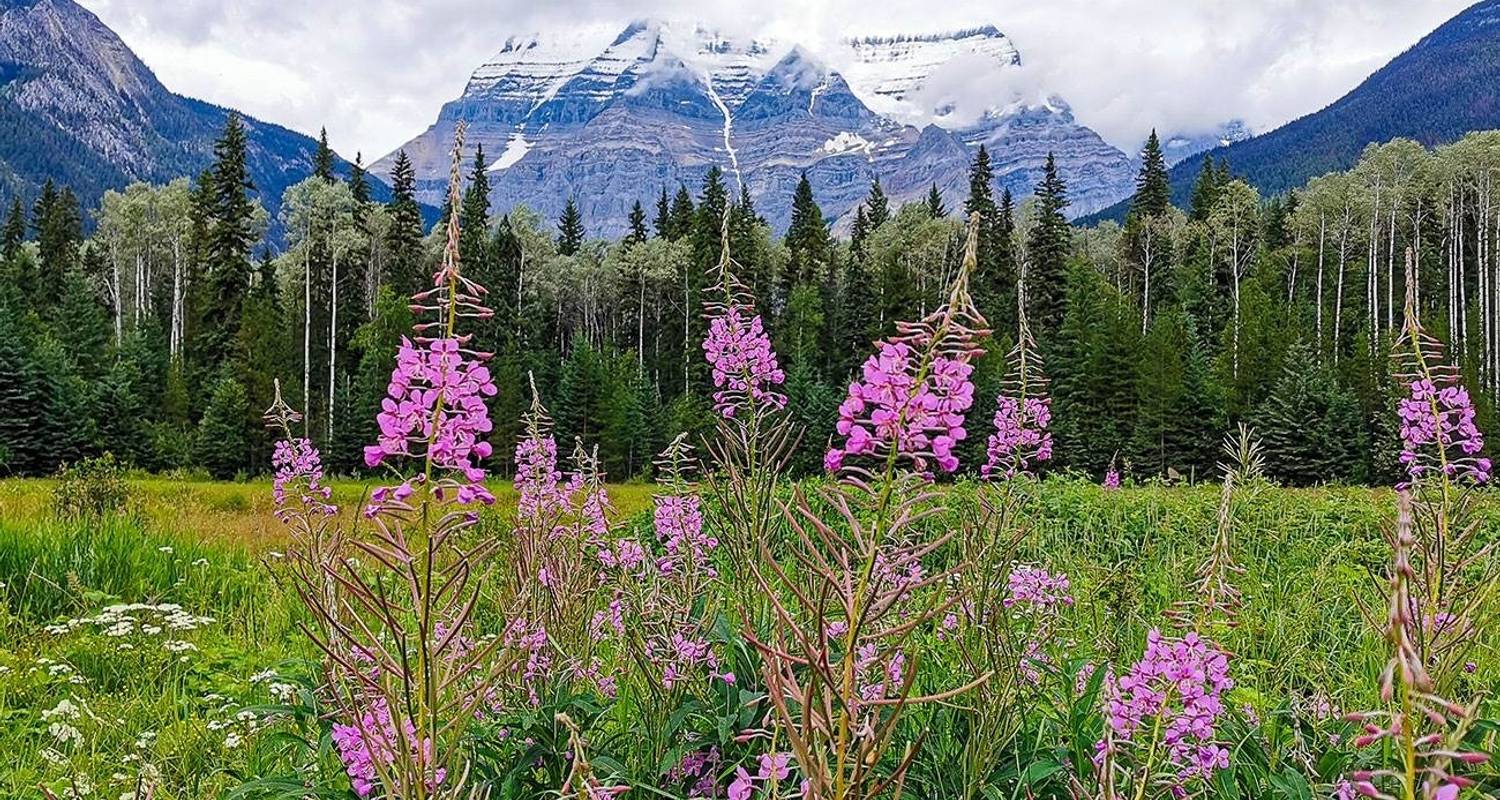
{"x": 1444, "y": 86}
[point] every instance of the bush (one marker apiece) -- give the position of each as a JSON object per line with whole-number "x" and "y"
{"x": 92, "y": 489}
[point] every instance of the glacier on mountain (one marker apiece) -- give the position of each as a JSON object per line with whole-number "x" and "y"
{"x": 608, "y": 117}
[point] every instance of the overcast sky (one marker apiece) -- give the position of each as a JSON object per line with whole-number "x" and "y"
{"x": 375, "y": 71}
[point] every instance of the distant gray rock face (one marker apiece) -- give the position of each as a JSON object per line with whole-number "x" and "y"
{"x": 78, "y": 107}
{"x": 1184, "y": 145}
{"x": 609, "y": 118}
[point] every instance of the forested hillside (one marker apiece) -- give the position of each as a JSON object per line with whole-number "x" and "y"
{"x": 159, "y": 336}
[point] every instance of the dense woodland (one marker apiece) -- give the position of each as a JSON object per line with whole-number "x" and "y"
{"x": 153, "y": 326}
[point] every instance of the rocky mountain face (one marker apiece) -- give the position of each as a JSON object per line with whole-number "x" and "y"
{"x": 611, "y": 117}
{"x": 77, "y": 106}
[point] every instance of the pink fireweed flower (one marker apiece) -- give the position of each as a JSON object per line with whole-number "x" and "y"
{"x": 372, "y": 740}
{"x": 744, "y": 365}
{"x": 678, "y": 520}
{"x": 1112, "y": 479}
{"x": 1179, "y": 685}
{"x": 299, "y": 475}
{"x": 1440, "y": 416}
{"x": 1037, "y": 588}
{"x": 894, "y": 406}
{"x": 1021, "y": 436}
{"x": 436, "y": 406}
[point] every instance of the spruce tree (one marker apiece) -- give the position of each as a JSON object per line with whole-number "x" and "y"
{"x": 637, "y": 233}
{"x": 1153, "y": 190}
{"x": 223, "y": 443}
{"x": 570, "y": 229}
{"x": 59, "y": 234}
{"x": 708, "y": 230}
{"x": 1047, "y": 250}
{"x": 474, "y": 218}
{"x": 878, "y": 204}
{"x": 807, "y": 240}
{"x": 680, "y": 218}
{"x": 662, "y": 223}
{"x": 1205, "y": 191}
{"x": 1310, "y": 424}
{"x": 323, "y": 157}
{"x": 22, "y": 396}
{"x": 403, "y": 239}
{"x": 359, "y": 184}
{"x": 935, "y": 207}
{"x": 14, "y": 232}
{"x": 230, "y": 236}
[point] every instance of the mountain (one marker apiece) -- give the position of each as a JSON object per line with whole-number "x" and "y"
{"x": 609, "y": 117}
{"x": 1186, "y": 144}
{"x": 1444, "y": 86}
{"x": 77, "y": 106}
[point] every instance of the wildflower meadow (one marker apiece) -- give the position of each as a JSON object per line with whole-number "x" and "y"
{"x": 906, "y": 624}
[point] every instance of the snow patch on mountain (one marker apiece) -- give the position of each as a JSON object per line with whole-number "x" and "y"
{"x": 847, "y": 142}
{"x": 515, "y": 149}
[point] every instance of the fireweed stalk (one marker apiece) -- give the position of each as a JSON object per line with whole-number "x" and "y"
{"x": 404, "y": 668}
{"x": 754, "y": 437}
{"x": 1456, "y": 576}
{"x": 561, "y": 544}
{"x": 1023, "y": 412}
{"x": 1440, "y": 586}
{"x": 837, "y": 664}
{"x": 1213, "y": 601}
{"x": 661, "y": 613}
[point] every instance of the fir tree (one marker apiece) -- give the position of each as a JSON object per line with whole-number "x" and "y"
{"x": 935, "y": 207}
{"x": 22, "y": 398}
{"x": 403, "y": 239}
{"x": 223, "y": 446}
{"x": 570, "y": 230}
{"x": 713, "y": 202}
{"x": 474, "y": 218}
{"x": 1047, "y": 251}
{"x": 1205, "y": 191}
{"x": 323, "y": 157}
{"x": 637, "y": 233}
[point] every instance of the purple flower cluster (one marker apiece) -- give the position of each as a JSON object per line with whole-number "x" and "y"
{"x": 1441, "y": 417}
{"x": 1037, "y": 588}
{"x": 1179, "y": 683}
{"x": 744, "y": 365}
{"x": 299, "y": 474}
{"x": 435, "y": 407}
{"x": 537, "y": 476}
{"x": 896, "y": 407}
{"x": 1112, "y": 479}
{"x": 1021, "y": 436}
{"x": 679, "y": 527}
{"x": 773, "y": 769}
{"x": 373, "y": 739}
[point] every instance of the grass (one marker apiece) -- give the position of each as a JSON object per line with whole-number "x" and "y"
{"x": 1308, "y": 555}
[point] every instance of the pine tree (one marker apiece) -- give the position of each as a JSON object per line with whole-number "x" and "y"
{"x": 231, "y": 235}
{"x": 359, "y": 184}
{"x": 662, "y": 224}
{"x": 878, "y": 204}
{"x": 807, "y": 240}
{"x": 323, "y": 158}
{"x": 474, "y": 218}
{"x": 708, "y": 231}
{"x": 403, "y": 239}
{"x": 1153, "y": 190}
{"x": 935, "y": 207}
{"x": 570, "y": 230}
{"x": 1310, "y": 424}
{"x": 637, "y": 233}
{"x": 1205, "y": 191}
{"x": 1047, "y": 250}
{"x": 680, "y": 219}
{"x": 223, "y": 445}
{"x": 14, "y": 232}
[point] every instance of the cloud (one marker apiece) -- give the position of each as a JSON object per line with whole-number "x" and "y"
{"x": 375, "y": 72}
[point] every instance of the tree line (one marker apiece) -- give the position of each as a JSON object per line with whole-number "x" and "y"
{"x": 158, "y": 335}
